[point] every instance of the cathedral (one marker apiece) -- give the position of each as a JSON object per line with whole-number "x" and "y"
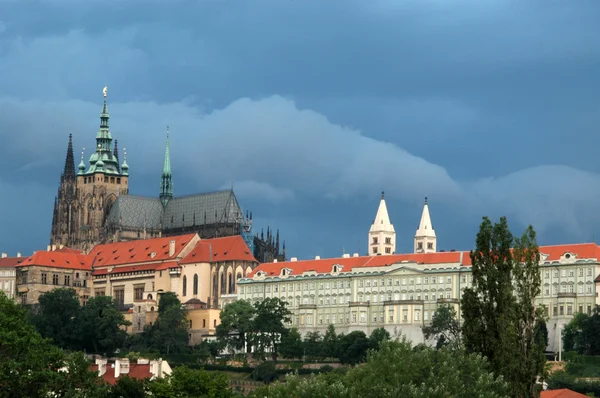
{"x": 93, "y": 205}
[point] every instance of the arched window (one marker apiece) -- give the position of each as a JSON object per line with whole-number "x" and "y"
{"x": 215, "y": 286}
{"x": 151, "y": 309}
{"x": 184, "y": 285}
{"x": 195, "y": 284}
{"x": 149, "y": 297}
{"x": 230, "y": 283}
{"x": 204, "y": 323}
{"x": 222, "y": 284}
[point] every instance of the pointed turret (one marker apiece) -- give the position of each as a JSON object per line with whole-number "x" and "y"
{"x": 81, "y": 166}
{"x": 425, "y": 239}
{"x": 382, "y": 236}
{"x": 103, "y": 159}
{"x": 69, "y": 170}
{"x": 166, "y": 182}
{"x": 116, "y": 154}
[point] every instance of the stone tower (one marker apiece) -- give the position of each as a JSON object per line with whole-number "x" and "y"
{"x": 64, "y": 219}
{"x": 382, "y": 236}
{"x": 425, "y": 240}
{"x": 84, "y": 200}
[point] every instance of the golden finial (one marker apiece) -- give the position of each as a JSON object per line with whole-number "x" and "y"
{"x": 105, "y": 91}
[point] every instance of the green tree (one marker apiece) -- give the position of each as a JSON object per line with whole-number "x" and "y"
{"x": 268, "y": 325}
{"x": 291, "y": 344}
{"x": 313, "y": 345}
{"x": 399, "y": 370}
{"x": 236, "y": 324}
{"x": 330, "y": 342}
{"x": 127, "y": 387}
{"x": 378, "y": 336}
{"x": 99, "y": 325}
{"x": 444, "y": 327}
{"x": 353, "y": 347}
{"x": 499, "y": 312}
{"x": 56, "y": 317}
{"x": 28, "y": 363}
{"x": 189, "y": 383}
{"x": 169, "y": 332}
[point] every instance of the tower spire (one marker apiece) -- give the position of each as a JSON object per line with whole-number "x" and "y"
{"x": 166, "y": 183}
{"x": 382, "y": 236}
{"x": 69, "y": 170}
{"x": 425, "y": 239}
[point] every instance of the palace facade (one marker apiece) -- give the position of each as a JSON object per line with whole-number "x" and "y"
{"x": 400, "y": 292}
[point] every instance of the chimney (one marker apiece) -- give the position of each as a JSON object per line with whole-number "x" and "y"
{"x": 101, "y": 366}
{"x": 48, "y": 248}
{"x": 4, "y": 255}
{"x": 60, "y": 246}
{"x": 274, "y": 260}
{"x": 53, "y": 247}
{"x": 171, "y": 248}
{"x": 346, "y": 255}
{"x": 294, "y": 259}
{"x": 355, "y": 255}
{"x": 317, "y": 257}
{"x": 18, "y": 254}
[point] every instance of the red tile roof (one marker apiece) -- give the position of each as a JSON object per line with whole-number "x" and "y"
{"x": 561, "y": 393}
{"x": 138, "y": 251}
{"x": 58, "y": 260}
{"x": 136, "y": 371}
{"x": 11, "y": 261}
{"x": 230, "y": 248}
{"x": 167, "y": 265}
{"x": 582, "y": 250}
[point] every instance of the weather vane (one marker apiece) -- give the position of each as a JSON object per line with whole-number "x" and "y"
{"x": 105, "y": 91}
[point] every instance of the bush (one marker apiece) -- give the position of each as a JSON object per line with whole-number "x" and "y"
{"x": 265, "y": 372}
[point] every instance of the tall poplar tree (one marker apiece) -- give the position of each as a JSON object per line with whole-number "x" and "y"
{"x": 501, "y": 320}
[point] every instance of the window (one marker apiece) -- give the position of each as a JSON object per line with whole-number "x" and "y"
{"x": 571, "y": 273}
{"x": 581, "y": 308}
{"x": 55, "y": 279}
{"x": 420, "y": 246}
{"x": 388, "y": 250}
{"x": 580, "y": 273}
{"x": 589, "y": 310}
{"x": 391, "y": 315}
{"x": 564, "y": 273}
{"x": 375, "y": 240}
{"x": 138, "y": 293}
{"x": 369, "y": 284}
{"x": 184, "y": 285}
{"x": 430, "y": 245}
{"x": 388, "y": 241}
{"x": 100, "y": 292}
{"x": 195, "y": 284}
{"x": 404, "y": 281}
{"x": 547, "y": 275}
{"x": 555, "y": 311}
{"x": 44, "y": 278}
{"x": 556, "y": 274}
{"x": 390, "y": 282}
{"x": 589, "y": 288}
{"x": 375, "y": 250}
{"x": 449, "y": 279}
{"x": 418, "y": 280}
{"x": 417, "y": 315}
{"x": 433, "y": 280}
{"x": 426, "y": 280}
{"x": 562, "y": 310}
{"x": 67, "y": 280}
{"x": 363, "y": 317}
{"x": 404, "y": 315}
{"x": 569, "y": 310}
{"x": 119, "y": 296}
{"x": 589, "y": 273}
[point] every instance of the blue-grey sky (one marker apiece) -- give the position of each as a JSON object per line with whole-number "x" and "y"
{"x": 313, "y": 108}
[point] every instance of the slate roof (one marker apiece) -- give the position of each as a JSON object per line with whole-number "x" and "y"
{"x": 219, "y": 206}
{"x": 138, "y": 211}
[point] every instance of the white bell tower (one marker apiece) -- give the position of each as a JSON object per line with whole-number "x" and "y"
{"x": 425, "y": 240}
{"x": 382, "y": 236}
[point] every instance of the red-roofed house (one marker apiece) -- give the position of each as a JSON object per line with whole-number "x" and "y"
{"x": 561, "y": 393}
{"x": 8, "y": 274}
{"x": 400, "y": 292}
{"x": 110, "y": 371}
{"x": 135, "y": 273}
{"x": 47, "y": 270}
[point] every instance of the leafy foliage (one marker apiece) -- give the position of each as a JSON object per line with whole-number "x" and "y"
{"x": 236, "y": 317}
{"x": 399, "y": 370}
{"x": 444, "y": 327}
{"x": 56, "y": 317}
{"x": 501, "y": 321}
{"x": 99, "y": 325}
{"x": 582, "y": 333}
{"x": 185, "y": 382}
{"x": 291, "y": 344}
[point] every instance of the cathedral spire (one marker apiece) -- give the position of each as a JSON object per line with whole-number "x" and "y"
{"x": 425, "y": 239}
{"x": 166, "y": 183}
{"x": 69, "y": 170}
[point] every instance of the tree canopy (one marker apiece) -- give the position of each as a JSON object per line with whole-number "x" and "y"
{"x": 501, "y": 320}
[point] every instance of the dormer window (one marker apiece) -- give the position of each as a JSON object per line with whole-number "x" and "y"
{"x": 337, "y": 268}
{"x": 286, "y": 272}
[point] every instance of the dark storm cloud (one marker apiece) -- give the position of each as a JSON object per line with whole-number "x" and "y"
{"x": 312, "y": 108}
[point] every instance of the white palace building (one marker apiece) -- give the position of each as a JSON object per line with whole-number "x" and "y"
{"x": 400, "y": 292}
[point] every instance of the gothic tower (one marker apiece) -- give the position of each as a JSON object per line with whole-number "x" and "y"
{"x": 382, "y": 236}
{"x": 166, "y": 178}
{"x": 425, "y": 240}
{"x": 85, "y": 199}
{"x": 64, "y": 219}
